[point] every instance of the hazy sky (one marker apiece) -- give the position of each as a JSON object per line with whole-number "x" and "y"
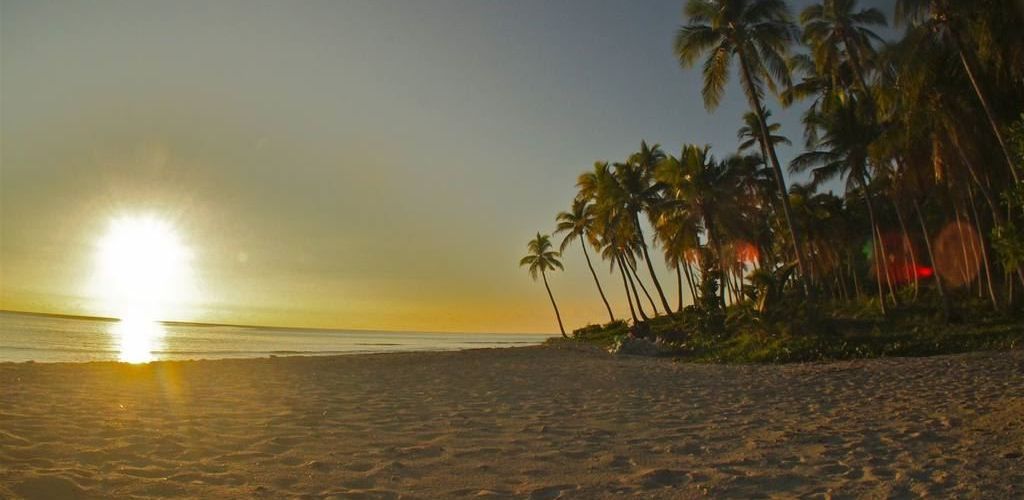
{"x": 362, "y": 164}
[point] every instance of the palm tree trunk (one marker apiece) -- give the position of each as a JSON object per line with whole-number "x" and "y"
{"x": 553, "y": 304}
{"x": 931, "y": 259}
{"x": 737, "y": 283}
{"x": 787, "y": 210}
{"x": 910, "y": 246}
{"x": 709, "y": 224}
{"x": 966, "y": 267}
{"x": 984, "y": 252}
{"x": 866, "y": 183}
{"x": 879, "y": 253}
{"x": 679, "y": 286}
{"x": 885, "y": 259}
{"x": 650, "y": 267}
{"x": 632, "y": 311}
{"x": 842, "y": 280}
{"x": 984, "y": 188}
{"x": 650, "y": 300}
{"x": 984, "y": 104}
{"x": 611, "y": 316}
{"x": 974, "y": 173}
{"x": 853, "y": 272}
{"x": 632, "y": 284}
{"x": 688, "y": 274}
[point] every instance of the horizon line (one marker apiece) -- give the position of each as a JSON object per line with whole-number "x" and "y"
{"x": 240, "y": 325}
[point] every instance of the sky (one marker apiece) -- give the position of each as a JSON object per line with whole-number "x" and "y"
{"x": 370, "y": 164}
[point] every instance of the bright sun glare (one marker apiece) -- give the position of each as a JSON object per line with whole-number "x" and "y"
{"x": 143, "y": 271}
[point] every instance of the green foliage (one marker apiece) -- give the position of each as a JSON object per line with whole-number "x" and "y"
{"x": 913, "y": 128}
{"x": 849, "y": 330}
{"x": 601, "y": 335}
{"x": 767, "y": 288}
{"x": 1008, "y": 241}
{"x": 541, "y": 258}
{"x": 1016, "y": 139}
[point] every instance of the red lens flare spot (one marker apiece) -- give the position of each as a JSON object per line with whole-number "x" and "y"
{"x": 746, "y": 253}
{"x": 898, "y": 266}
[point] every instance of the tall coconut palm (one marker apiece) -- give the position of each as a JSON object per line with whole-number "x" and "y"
{"x": 541, "y": 259}
{"x": 757, "y": 34}
{"x": 618, "y": 250}
{"x": 695, "y": 183}
{"x": 750, "y": 133}
{"x": 639, "y": 193}
{"x": 594, "y": 185}
{"x": 838, "y": 33}
{"x": 943, "y": 18}
{"x": 578, "y": 224}
{"x": 843, "y": 151}
{"x": 677, "y": 229}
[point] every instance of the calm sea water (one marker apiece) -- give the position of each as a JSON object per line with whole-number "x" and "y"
{"x": 47, "y": 339}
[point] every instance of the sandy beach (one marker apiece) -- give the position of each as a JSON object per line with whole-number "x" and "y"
{"x": 539, "y": 422}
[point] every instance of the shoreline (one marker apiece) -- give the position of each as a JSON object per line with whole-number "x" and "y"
{"x": 538, "y": 421}
{"x": 271, "y": 356}
{"x": 580, "y": 346}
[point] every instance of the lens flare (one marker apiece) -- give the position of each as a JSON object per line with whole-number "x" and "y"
{"x": 956, "y": 258}
{"x": 142, "y": 272}
{"x": 746, "y": 253}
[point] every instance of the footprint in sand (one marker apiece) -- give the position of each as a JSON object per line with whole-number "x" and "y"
{"x": 49, "y": 487}
{"x": 661, "y": 478}
{"x": 549, "y": 492}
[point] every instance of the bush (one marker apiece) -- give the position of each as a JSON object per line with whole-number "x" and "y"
{"x": 820, "y": 333}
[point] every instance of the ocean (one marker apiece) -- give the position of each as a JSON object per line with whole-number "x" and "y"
{"x": 29, "y": 337}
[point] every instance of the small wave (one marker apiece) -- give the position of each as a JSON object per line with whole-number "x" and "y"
{"x": 58, "y": 349}
{"x": 498, "y": 342}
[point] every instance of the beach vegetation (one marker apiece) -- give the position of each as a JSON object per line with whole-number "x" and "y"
{"x": 900, "y": 230}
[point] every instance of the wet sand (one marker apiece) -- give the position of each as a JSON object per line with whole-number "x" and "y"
{"x": 535, "y": 422}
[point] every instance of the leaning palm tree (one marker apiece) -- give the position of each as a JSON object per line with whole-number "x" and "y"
{"x": 617, "y": 249}
{"x": 540, "y": 260}
{"x": 639, "y": 193}
{"x": 579, "y": 224}
{"x": 757, "y": 33}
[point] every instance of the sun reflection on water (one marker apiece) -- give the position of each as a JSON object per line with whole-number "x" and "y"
{"x": 143, "y": 270}
{"x": 138, "y": 339}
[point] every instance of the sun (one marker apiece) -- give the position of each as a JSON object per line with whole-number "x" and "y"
{"x": 143, "y": 270}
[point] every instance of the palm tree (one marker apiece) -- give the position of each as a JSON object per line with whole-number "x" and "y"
{"x": 618, "y": 250}
{"x": 750, "y": 133}
{"x": 941, "y": 17}
{"x": 838, "y": 34}
{"x": 638, "y": 194}
{"x": 696, "y": 184}
{"x": 842, "y": 150}
{"x": 678, "y": 230}
{"x": 578, "y": 223}
{"x": 540, "y": 260}
{"x": 757, "y": 33}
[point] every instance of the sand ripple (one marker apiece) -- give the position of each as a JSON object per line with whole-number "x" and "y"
{"x": 529, "y": 422}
